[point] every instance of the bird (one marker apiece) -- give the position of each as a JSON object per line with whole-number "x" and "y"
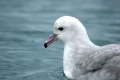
{"x": 82, "y": 59}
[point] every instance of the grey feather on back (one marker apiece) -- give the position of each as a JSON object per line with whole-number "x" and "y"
{"x": 102, "y": 64}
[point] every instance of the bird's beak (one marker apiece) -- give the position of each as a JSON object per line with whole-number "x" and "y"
{"x": 50, "y": 40}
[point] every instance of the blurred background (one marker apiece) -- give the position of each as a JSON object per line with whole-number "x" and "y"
{"x": 26, "y": 24}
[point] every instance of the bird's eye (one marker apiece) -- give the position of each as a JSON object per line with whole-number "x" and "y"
{"x": 60, "y": 28}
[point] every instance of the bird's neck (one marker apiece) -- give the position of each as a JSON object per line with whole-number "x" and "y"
{"x": 72, "y": 50}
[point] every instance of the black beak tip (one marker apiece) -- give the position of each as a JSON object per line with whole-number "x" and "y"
{"x": 45, "y": 45}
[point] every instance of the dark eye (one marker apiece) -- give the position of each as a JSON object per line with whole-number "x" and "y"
{"x": 60, "y": 28}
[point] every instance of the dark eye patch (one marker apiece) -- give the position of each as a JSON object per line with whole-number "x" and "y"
{"x": 60, "y": 28}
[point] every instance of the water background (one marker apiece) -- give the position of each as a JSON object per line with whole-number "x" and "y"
{"x": 26, "y": 24}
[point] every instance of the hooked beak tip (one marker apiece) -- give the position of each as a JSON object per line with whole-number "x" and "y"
{"x": 45, "y": 45}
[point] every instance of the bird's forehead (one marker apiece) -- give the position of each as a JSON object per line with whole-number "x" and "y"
{"x": 62, "y": 22}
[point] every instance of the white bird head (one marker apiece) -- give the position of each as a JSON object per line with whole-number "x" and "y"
{"x": 66, "y": 29}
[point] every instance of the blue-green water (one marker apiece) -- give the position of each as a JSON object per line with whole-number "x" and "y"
{"x": 26, "y": 24}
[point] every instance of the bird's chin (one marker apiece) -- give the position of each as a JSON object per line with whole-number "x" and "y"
{"x": 52, "y": 39}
